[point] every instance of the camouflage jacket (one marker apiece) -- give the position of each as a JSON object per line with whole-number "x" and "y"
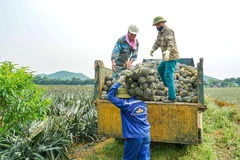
{"x": 166, "y": 41}
{"x": 123, "y": 52}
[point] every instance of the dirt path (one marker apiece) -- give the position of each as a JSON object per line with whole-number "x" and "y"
{"x": 81, "y": 152}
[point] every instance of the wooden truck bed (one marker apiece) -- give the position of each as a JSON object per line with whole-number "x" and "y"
{"x": 171, "y": 123}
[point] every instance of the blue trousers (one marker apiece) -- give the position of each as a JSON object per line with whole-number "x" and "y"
{"x": 166, "y": 71}
{"x": 137, "y": 149}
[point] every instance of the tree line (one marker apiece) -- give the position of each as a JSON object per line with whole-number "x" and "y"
{"x": 228, "y": 82}
{"x": 74, "y": 81}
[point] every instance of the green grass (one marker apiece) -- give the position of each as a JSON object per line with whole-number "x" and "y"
{"x": 221, "y": 139}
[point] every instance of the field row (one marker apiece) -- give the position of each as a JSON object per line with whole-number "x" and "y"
{"x": 230, "y": 95}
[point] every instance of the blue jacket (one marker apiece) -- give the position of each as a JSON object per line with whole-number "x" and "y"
{"x": 134, "y": 114}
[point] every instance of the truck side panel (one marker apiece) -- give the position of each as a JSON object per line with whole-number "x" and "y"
{"x": 171, "y": 123}
{"x": 100, "y": 74}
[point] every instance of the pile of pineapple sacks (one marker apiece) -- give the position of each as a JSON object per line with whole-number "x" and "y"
{"x": 143, "y": 82}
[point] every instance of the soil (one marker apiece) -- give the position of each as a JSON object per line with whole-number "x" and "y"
{"x": 88, "y": 151}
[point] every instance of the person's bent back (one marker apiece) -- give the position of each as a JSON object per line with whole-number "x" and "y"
{"x": 135, "y": 125}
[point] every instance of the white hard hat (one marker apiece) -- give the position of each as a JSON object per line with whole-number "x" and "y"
{"x": 133, "y": 29}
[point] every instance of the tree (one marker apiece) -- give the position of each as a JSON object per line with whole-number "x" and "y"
{"x": 211, "y": 82}
{"x": 37, "y": 79}
{"x": 73, "y": 81}
{"x": 21, "y": 101}
{"x": 238, "y": 81}
{"x": 224, "y": 83}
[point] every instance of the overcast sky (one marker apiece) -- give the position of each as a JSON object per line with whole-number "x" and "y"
{"x": 54, "y": 35}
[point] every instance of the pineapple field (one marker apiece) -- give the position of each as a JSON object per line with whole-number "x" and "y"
{"x": 224, "y": 96}
{"x": 61, "y": 122}
{"x": 70, "y": 129}
{"x": 71, "y": 120}
{"x": 220, "y": 142}
{"x": 67, "y": 101}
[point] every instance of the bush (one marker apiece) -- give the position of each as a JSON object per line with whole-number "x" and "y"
{"x": 20, "y": 99}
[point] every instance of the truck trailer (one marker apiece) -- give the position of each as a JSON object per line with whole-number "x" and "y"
{"x": 178, "y": 122}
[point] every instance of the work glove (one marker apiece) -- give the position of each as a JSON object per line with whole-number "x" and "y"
{"x": 151, "y": 52}
{"x": 121, "y": 80}
{"x": 166, "y": 55}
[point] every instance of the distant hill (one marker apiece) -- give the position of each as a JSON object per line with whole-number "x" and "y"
{"x": 206, "y": 78}
{"x": 42, "y": 75}
{"x": 64, "y": 75}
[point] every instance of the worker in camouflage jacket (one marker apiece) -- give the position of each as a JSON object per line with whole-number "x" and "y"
{"x": 125, "y": 52}
{"x": 166, "y": 41}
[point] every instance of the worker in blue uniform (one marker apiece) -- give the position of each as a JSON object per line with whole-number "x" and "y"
{"x": 135, "y": 125}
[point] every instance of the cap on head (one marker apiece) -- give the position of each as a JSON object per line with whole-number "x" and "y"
{"x": 122, "y": 93}
{"x": 158, "y": 19}
{"x": 133, "y": 29}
